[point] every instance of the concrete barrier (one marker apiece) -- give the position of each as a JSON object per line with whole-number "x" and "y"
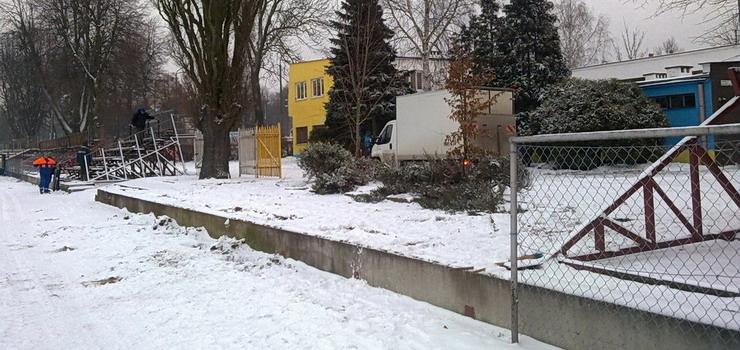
{"x": 35, "y": 180}
{"x": 62, "y": 186}
{"x": 567, "y": 321}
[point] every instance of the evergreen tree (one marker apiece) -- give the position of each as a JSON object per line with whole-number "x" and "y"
{"x": 529, "y": 57}
{"x": 366, "y": 83}
{"x": 478, "y": 39}
{"x": 580, "y": 105}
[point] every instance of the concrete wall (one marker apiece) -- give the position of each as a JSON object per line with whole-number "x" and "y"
{"x": 35, "y": 180}
{"x": 563, "y": 320}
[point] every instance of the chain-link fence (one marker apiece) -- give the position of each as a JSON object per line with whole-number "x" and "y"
{"x": 21, "y": 163}
{"x": 633, "y": 222}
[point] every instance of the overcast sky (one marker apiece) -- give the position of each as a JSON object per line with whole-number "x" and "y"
{"x": 684, "y": 28}
{"x": 657, "y": 28}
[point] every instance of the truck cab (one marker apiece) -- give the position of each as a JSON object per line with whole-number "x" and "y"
{"x": 383, "y": 147}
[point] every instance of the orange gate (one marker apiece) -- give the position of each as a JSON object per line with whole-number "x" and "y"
{"x": 260, "y": 151}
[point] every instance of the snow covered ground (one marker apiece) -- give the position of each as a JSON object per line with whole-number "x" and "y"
{"x": 287, "y": 203}
{"x": 558, "y": 203}
{"x": 77, "y": 274}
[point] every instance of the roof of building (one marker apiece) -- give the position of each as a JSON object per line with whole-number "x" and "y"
{"x": 397, "y": 57}
{"x": 681, "y": 79}
{"x": 635, "y": 69}
{"x": 309, "y": 61}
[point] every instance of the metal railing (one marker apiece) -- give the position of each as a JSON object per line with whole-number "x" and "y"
{"x": 160, "y": 137}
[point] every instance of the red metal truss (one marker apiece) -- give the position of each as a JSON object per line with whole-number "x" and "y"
{"x": 650, "y": 189}
{"x": 646, "y": 240}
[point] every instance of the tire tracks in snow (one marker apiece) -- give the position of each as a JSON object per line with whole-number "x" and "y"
{"x": 10, "y": 206}
{"x": 41, "y": 282}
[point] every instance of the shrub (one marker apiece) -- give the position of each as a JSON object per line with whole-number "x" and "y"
{"x": 333, "y": 169}
{"x": 448, "y": 185}
{"x": 578, "y": 105}
{"x": 436, "y": 184}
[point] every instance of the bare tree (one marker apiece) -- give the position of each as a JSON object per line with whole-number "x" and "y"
{"x": 73, "y": 46}
{"x": 632, "y": 41}
{"x": 467, "y": 105}
{"x": 136, "y": 78}
{"x": 279, "y": 24}
{"x": 584, "y": 37}
{"x": 89, "y": 31}
{"x": 19, "y": 93}
{"x": 22, "y": 19}
{"x": 670, "y": 46}
{"x": 213, "y": 40}
{"x": 724, "y": 15}
{"x": 424, "y": 27}
{"x": 725, "y": 32}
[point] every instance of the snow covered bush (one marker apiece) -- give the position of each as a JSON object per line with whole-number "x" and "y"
{"x": 578, "y": 105}
{"x": 333, "y": 169}
{"x": 449, "y": 185}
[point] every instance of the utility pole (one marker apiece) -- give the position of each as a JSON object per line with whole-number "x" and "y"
{"x": 280, "y": 105}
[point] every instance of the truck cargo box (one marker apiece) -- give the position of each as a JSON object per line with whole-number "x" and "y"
{"x": 423, "y": 122}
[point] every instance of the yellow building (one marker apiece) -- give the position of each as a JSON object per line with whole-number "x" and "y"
{"x": 308, "y": 91}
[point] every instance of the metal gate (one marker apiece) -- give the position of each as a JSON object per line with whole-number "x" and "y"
{"x": 260, "y": 151}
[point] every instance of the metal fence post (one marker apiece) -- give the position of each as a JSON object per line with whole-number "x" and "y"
{"x": 514, "y": 178}
{"x": 123, "y": 160}
{"x": 179, "y": 147}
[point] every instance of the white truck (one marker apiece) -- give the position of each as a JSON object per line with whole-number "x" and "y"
{"x": 423, "y": 122}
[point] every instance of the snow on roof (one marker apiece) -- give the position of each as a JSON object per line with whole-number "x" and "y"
{"x": 635, "y": 69}
{"x": 696, "y": 77}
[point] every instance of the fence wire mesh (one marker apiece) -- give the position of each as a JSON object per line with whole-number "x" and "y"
{"x": 653, "y": 228}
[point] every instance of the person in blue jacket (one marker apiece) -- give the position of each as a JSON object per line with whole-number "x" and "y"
{"x": 138, "y": 121}
{"x": 84, "y": 158}
{"x": 367, "y": 142}
{"x": 46, "y": 165}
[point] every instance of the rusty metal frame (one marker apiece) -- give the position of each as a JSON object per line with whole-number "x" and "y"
{"x": 698, "y": 156}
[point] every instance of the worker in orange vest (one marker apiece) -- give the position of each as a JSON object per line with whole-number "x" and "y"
{"x": 46, "y": 166}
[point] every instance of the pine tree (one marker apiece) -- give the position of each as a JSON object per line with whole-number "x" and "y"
{"x": 529, "y": 57}
{"x": 478, "y": 39}
{"x": 366, "y": 83}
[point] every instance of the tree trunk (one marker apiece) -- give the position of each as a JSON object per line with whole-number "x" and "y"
{"x": 358, "y": 141}
{"x": 259, "y": 112}
{"x": 426, "y": 72}
{"x": 216, "y": 150}
{"x": 426, "y": 75}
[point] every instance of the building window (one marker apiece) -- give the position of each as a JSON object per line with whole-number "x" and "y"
{"x": 317, "y": 87}
{"x": 416, "y": 79}
{"x": 301, "y": 134}
{"x": 676, "y": 101}
{"x": 300, "y": 91}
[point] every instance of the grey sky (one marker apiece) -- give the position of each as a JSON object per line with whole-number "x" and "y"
{"x": 657, "y": 29}
{"x": 635, "y": 15}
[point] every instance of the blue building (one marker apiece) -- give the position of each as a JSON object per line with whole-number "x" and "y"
{"x": 686, "y": 99}
{"x": 689, "y": 85}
